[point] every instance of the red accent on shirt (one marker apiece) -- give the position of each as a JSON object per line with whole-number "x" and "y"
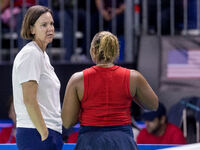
{"x": 172, "y": 135}
{"x": 107, "y": 99}
{"x": 6, "y": 135}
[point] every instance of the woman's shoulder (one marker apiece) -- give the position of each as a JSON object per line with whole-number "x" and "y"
{"x": 77, "y": 77}
{"x": 135, "y": 73}
{"x": 27, "y": 53}
{"x": 30, "y": 48}
{"x": 136, "y": 78}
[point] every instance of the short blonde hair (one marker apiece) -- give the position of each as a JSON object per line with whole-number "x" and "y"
{"x": 31, "y": 16}
{"x": 106, "y": 46}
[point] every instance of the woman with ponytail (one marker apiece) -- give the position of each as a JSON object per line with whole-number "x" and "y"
{"x": 100, "y": 98}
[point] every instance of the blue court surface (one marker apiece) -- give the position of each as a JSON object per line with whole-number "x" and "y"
{"x": 71, "y": 147}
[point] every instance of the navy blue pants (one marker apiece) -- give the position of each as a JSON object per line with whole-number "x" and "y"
{"x": 30, "y": 139}
{"x": 106, "y": 138}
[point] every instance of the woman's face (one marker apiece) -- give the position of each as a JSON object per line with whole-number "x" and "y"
{"x": 43, "y": 29}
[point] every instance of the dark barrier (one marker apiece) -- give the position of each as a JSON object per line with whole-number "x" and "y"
{"x": 63, "y": 71}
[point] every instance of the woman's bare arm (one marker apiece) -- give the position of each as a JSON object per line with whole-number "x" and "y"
{"x": 71, "y": 103}
{"x": 30, "y": 100}
{"x": 140, "y": 88}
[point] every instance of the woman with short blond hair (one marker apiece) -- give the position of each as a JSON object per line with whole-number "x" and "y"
{"x": 100, "y": 97}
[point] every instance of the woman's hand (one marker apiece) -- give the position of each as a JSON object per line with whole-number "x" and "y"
{"x": 44, "y": 135}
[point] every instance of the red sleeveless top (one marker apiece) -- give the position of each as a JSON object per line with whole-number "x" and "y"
{"x": 107, "y": 99}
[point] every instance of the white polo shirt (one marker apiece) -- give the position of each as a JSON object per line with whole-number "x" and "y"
{"x": 31, "y": 63}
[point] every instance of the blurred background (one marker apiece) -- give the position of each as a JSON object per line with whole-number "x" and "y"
{"x": 159, "y": 38}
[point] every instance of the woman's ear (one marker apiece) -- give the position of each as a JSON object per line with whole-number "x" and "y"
{"x": 32, "y": 30}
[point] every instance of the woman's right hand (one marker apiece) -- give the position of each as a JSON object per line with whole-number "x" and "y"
{"x": 44, "y": 135}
